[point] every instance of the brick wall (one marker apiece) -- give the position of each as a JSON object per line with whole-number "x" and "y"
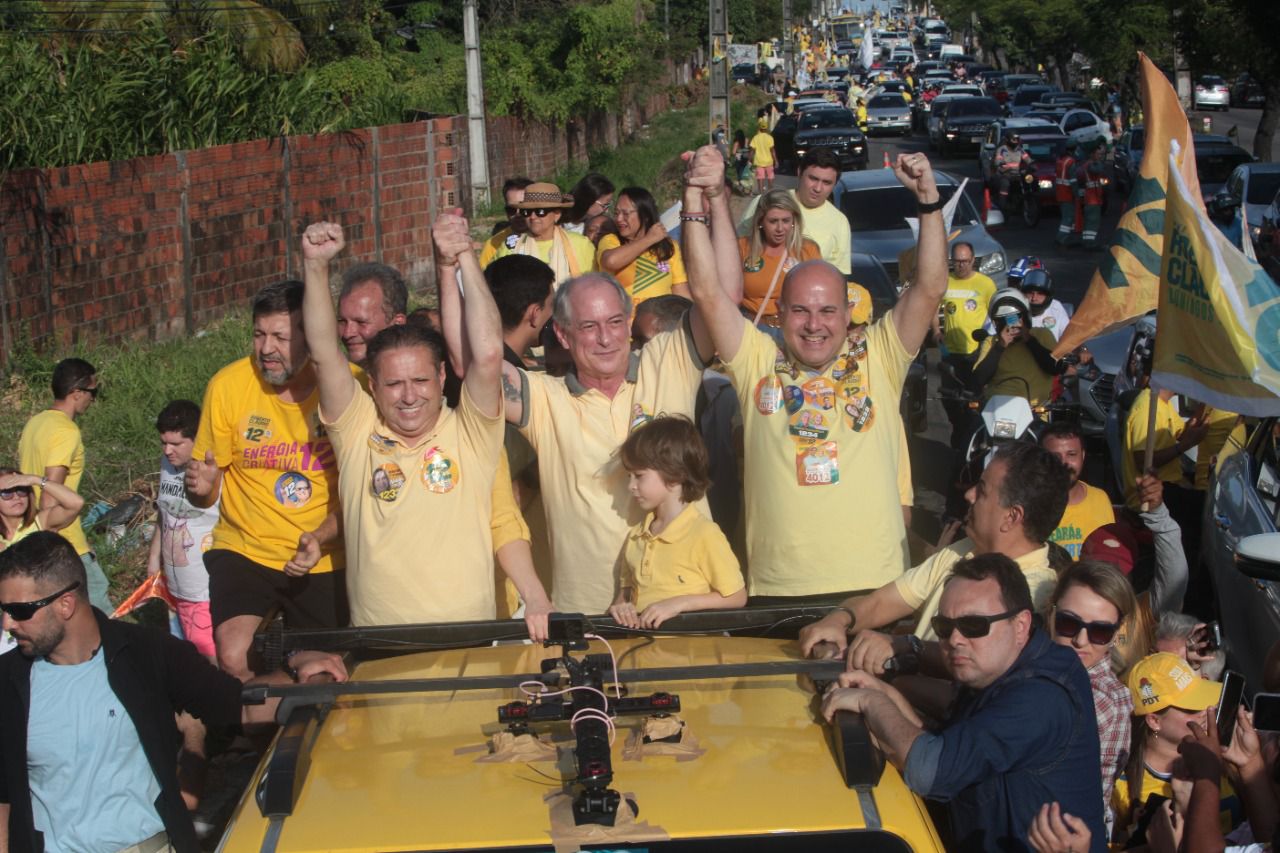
{"x": 155, "y": 247}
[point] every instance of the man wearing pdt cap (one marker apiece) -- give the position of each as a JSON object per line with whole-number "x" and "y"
{"x": 568, "y": 254}
{"x": 1168, "y": 699}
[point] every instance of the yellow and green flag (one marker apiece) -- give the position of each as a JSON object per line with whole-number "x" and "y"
{"x": 1125, "y": 283}
{"x": 1218, "y": 337}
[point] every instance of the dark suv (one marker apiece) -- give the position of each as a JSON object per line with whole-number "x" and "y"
{"x": 833, "y": 129}
{"x": 966, "y": 123}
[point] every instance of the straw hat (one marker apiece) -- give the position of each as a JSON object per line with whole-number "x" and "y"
{"x": 544, "y": 194}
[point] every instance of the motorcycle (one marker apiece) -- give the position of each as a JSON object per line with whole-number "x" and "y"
{"x": 1024, "y": 196}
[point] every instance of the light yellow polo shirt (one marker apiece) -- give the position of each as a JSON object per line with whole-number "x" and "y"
{"x": 576, "y": 432}
{"x": 921, "y": 587}
{"x": 690, "y": 557}
{"x": 49, "y": 440}
{"x": 584, "y": 251}
{"x": 1169, "y": 426}
{"x": 847, "y": 535}
{"x": 417, "y": 519}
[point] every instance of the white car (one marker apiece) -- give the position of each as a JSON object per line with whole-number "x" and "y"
{"x": 962, "y": 89}
{"x": 1212, "y": 93}
{"x": 1082, "y": 126}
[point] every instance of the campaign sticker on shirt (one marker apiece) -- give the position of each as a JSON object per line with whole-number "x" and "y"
{"x": 809, "y": 424}
{"x": 860, "y": 413}
{"x": 388, "y": 479}
{"x": 753, "y": 266}
{"x": 664, "y": 266}
{"x": 969, "y": 305}
{"x": 439, "y": 473}
{"x": 293, "y": 490}
{"x": 511, "y": 241}
{"x": 639, "y": 417}
{"x": 1050, "y": 321}
{"x": 793, "y": 398}
{"x": 820, "y": 393}
{"x": 789, "y": 263}
{"x": 381, "y": 444}
{"x": 818, "y": 464}
{"x": 768, "y": 395}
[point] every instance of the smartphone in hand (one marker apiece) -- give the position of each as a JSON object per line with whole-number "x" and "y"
{"x": 1229, "y": 705}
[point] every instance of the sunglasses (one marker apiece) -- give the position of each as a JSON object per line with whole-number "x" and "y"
{"x": 537, "y": 211}
{"x": 21, "y": 611}
{"x": 1069, "y": 625}
{"x": 92, "y": 392}
{"x": 970, "y": 627}
{"x": 511, "y": 211}
{"x": 15, "y": 491}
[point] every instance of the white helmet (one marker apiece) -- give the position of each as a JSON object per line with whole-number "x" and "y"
{"x": 1008, "y": 302}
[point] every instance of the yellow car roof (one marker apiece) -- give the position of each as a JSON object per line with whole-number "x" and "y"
{"x": 399, "y": 772}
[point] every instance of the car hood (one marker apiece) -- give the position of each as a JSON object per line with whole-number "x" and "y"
{"x": 413, "y": 771}
{"x": 828, "y": 132}
{"x": 1108, "y": 350}
{"x": 970, "y": 121}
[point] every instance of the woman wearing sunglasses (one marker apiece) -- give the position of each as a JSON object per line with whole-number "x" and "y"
{"x": 569, "y": 255}
{"x": 642, "y": 257}
{"x": 1090, "y": 604}
{"x": 19, "y": 515}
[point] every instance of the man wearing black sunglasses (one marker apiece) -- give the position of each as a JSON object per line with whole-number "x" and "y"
{"x": 1020, "y": 731}
{"x": 88, "y": 749}
{"x": 51, "y": 448}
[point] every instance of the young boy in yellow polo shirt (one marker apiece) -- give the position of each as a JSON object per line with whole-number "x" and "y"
{"x": 677, "y": 559}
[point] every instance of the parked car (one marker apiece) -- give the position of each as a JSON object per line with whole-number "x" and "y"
{"x": 1083, "y": 126}
{"x": 746, "y": 73}
{"x": 965, "y": 124}
{"x": 1212, "y": 92}
{"x": 878, "y": 210}
{"x": 1216, "y": 158}
{"x": 1024, "y": 99}
{"x": 835, "y": 130}
{"x": 1254, "y": 185}
{"x": 1246, "y": 92}
{"x": 1241, "y": 503}
{"x": 888, "y": 113}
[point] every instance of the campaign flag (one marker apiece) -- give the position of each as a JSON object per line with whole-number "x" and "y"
{"x": 1125, "y": 283}
{"x": 1218, "y": 335}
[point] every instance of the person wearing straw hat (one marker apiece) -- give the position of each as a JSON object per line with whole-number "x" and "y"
{"x": 568, "y": 254}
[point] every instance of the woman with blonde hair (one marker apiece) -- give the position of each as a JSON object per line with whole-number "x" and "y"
{"x": 19, "y": 512}
{"x": 776, "y": 244}
{"x": 1091, "y": 605}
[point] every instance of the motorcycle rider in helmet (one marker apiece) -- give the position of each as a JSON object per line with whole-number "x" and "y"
{"x": 1224, "y": 210}
{"x": 1008, "y": 161}
{"x": 1046, "y": 312}
{"x": 1017, "y": 360}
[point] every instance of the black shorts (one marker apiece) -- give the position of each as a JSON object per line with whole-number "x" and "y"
{"x": 240, "y": 587}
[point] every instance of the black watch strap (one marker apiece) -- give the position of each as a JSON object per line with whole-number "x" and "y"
{"x": 922, "y": 207}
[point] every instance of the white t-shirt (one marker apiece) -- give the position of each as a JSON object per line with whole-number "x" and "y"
{"x": 186, "y": 532}
{"x": 1054, "y": 318}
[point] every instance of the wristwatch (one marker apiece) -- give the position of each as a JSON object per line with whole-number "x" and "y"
{"x": 853, "y": 617}
{"x": 930, "y": 207}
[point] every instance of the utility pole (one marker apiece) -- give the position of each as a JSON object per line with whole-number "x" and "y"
{"x": 788, "y": 46}
{"x": 479, "y": 152}
{"x": 719, "y": 31}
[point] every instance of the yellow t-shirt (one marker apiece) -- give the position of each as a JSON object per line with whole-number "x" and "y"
{"x": 845, "y": 531}
{"x": 279, "y": 474}
{"x": 51, "y": 439}
{"x": 1215, "y": 445}
{"x": 489, "y": 251}
{"x": 921, "y": 587}
{"x": 576, "y": 432}
{"x": 964, "y": 311}
{"x": 398, "y": 500}
{"x": 761, "y": 149}
{"x": 1019, "y": 374}
{"x": 1230, "y": 809}
{"x": 690, "y": 557}
{"x": 906, "y": 491}
{"x": 1169, "y": 425}
{"x": 583, "y": 251}
{"x": 20, "y": 534}
{"x": 1079, "y": 520}
{"x": 646, "y": 276}
{"x": 824, "y": 225}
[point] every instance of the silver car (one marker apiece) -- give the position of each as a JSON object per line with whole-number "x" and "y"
{"x": 1240, "y": 548}
{"x": 888, "y": 113}
{"x": 877, "y": 208}
{"x": 1212, "y": 93}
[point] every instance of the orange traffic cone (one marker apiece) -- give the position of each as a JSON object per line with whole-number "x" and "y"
{"x": 887, "y": 164}
{"x": 986, "y": 203}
